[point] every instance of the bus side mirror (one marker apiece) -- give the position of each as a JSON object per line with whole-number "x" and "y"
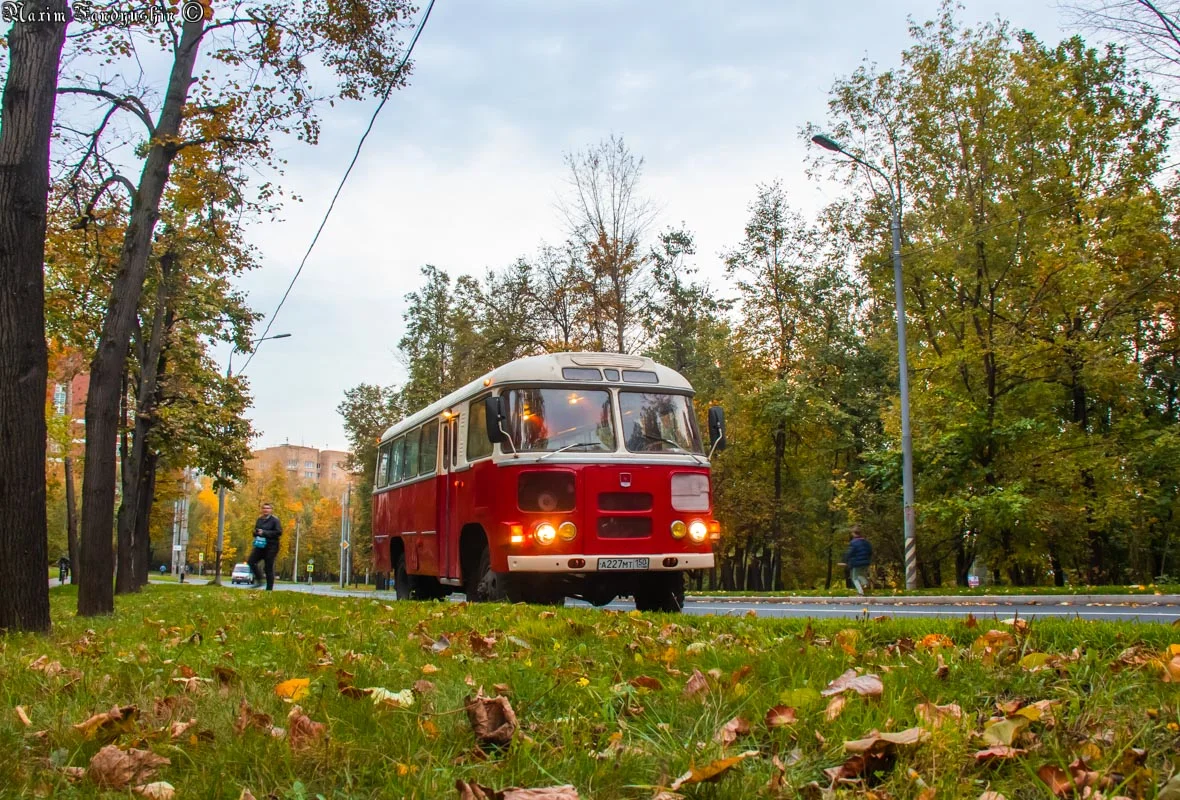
{"x": 493, "y": 414}
{"x": 716, "y": 428}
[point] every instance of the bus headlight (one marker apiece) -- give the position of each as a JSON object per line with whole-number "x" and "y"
{"x": 679, "y": 529}
{"x": 567, "y": 531}
{"x": 697, "y": 531}
{"x": 545, "y": 533}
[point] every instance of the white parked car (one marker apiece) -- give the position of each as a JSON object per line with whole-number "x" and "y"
{"x": 242, "y": 574}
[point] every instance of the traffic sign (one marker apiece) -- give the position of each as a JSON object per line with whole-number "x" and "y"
{"x": 200, "y": 556}
{"x": 344, "y": 545}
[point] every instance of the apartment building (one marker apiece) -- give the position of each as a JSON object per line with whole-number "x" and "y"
{"x": 324, "y": 467}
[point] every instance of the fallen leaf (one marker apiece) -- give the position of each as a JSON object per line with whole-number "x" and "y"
{"x": 645, "y": 682}
{"x": 249, "y": 718}
{"x": 835, "y": 706}
{"x": 879, "y": 742}
{"x": 22, "y": 716}
{"x": 696, "y": 684}
{"x": 867, "y": 685}
{"x": 936, "y": 716}
{"x": 304, "y": 733}
{"x": 731, "y": 731}
{"x": 992, "y": 796}
{"x": 429, "y": 669}
{"x": 440, "y": 645}
{"x": 423, "y": 686}
{"x": 712, "y": 771}
{"x": 943, "y": 670}
{"x": 178, "y": 729}
{"x": 384, "y": 697}
{"x": 1171, "y": 789}
{"x": 113, "y": 768}
{"x": 1057, "y": 779}
{"x": 43, "y": 664}
{"x": 780, "y": 716}
{"x": 160, "y": 790}
{"x": 109, "y": 723}
{"x": 847, "y": 639}
{"x": 998, "y": 752}
{"x": 740, "y": 673}
{"x": 492, "y": 719}
{"x": 473, "y": 791}
{"x": 293, "y": 689}
{"x": 246, "y": 795}
{"x": 934, "y": 641}
{"x": 1004, "y": 731}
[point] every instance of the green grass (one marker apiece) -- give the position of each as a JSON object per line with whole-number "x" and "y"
{"x": 566, "y": 674}
{"x": 960, "y": 591}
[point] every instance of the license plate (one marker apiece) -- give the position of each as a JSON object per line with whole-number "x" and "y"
{"x": 623, "y": 563}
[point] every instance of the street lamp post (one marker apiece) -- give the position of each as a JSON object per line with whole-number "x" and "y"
{"x": 221, "y": 489}
{"x": 907, "y": 452}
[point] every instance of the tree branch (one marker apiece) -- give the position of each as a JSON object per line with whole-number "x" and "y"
{"x": 128, "y": 103}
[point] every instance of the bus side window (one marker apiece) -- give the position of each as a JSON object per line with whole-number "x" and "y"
{"x": 410, "y": 460}
{"x": 395, "y": 472}
{"x": 382, "y": 465}
{"x": 478, "y": 444}
{"x": 428, "y": 454}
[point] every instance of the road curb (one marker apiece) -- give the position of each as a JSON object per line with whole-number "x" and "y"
{"x": 958, "y": 600}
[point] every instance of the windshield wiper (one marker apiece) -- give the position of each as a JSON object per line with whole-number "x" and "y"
{"x": 651, "y": 438}
{"x": 569, "y": 447}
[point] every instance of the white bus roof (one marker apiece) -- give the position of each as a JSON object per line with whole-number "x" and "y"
{"x": 546, "y": 369}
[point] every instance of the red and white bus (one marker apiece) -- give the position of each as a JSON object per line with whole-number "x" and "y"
{"x": 562, "y": 475}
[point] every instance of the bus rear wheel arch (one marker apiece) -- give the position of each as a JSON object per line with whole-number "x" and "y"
{"x": 481, "y": 583}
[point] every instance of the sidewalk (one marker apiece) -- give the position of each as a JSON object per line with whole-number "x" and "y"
{"x": 1136, "y": 600}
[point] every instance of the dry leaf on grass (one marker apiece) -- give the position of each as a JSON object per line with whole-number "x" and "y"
{"x": 934, "y": 641}
{"x": 867, "y": 685}
{"x": 423, "y": 686}
{"x": 246, "y": 795}
{"x": 160, "y": 790}
{"x": 178, "y": 729}
{"x": 473, "y": 791}
{"x": 936, "y": 716}
{"x": 998, "y": 752}
{"x": 879, "y": 742}
{"x": 780, "y": 716}
{"x": 835, "y": 706}
{"x": 731, "y": 731}
{"x": 119, "y": 719}
{"x": 293, "y": 689}
{"x": 712, "y": 771}
{"x": 942, "y": 671}
{"x": 1004, "y": 731}
{"x": 646, "y": 682}
{"x": 492, "y": 719}
{"x": 249, "y": 718}
{"x": 992, "y": 796}
{"x": 696, "y": 684}
{"x": 113, "y": 768}
{"x": 1057, "y": 779}
{"x": 22, "y": 716}
{"x": 43, "y": 664}
{"x": 304, "y": 733}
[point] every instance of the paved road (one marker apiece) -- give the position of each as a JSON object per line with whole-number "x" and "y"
{"x": 1142, "y": 609}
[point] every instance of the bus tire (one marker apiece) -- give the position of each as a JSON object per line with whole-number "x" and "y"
{"x": 401, "y": 579}
{"x": 485, "y": 585}
{"x": 661, "y": 593}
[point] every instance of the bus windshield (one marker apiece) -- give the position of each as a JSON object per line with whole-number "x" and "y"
{"x": 542, "y": 420}
{"x": 658, "y": 423}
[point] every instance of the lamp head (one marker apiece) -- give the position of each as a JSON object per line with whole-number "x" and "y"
{"x": 827, "y": 143}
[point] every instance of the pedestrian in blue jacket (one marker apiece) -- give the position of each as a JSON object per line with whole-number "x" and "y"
{"x": 858, "y": 557}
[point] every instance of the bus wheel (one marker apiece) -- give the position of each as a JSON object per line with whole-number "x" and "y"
{"x": 401, "y": 578}
{"x": 661, "y": 593}
{"x": 486, "y": 585}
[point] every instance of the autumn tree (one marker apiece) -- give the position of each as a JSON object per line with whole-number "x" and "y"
{"x": 256, "y": 87}
{"x": 1029, "y": 279}
{"x": 26, "y": 117}
{"x": 608, "y": 218}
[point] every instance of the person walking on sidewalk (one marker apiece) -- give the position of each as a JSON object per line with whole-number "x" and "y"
{"x": 858, "y": 557}
{"x": 267, "y": 530}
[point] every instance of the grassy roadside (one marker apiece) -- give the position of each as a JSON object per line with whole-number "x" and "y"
{"x": 600, "y": 699}
{"x": 960, "y": 591}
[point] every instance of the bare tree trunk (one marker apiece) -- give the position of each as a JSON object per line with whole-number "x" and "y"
{"x": 26, "y": 119}
{"x": 143, "y": 520}
{"x": 96, "y": 592}
{"x": 133, "y": 464}
{"x": 71, "y": 495}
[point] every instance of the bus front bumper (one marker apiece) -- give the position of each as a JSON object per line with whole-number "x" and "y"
{"x": 573, "y": 562}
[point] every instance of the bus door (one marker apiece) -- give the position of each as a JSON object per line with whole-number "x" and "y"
{"x": 448, "y": 526}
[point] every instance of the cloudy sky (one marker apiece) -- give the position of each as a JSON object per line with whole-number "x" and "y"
{"x": 464, "y": 167}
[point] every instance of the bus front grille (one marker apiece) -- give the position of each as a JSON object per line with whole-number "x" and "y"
{"x": 624, "y": 527}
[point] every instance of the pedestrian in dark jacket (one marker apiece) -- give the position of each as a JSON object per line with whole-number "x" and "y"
{"x": 858, "y": 557}
{"x": 267, "y": 530}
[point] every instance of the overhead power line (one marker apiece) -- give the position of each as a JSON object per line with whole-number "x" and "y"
{"x": 355, "y": 157}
